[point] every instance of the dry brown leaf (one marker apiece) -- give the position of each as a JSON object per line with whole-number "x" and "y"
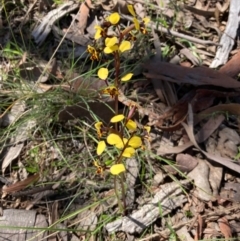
{"x": 201, "y": 136}
{"x": 54, "y": 212}
{"x": 200, "y": 226}
{"x": 54, "y": 216}
{"x": 121, "y": 7}
{"x": 13, "y": 153}
{"x": 204, "y": 98}
{"x": 132, "y": 167}
{"x": 224, "y": 227}
{"x": 87, "y": 221}
{"x": 233, "y": 109}
{"x": 37, "y": 72}
{"x": 83, "y": 15}
{"x": 186, "y": 162}
{"x": 89, "y": 85}
{"x": 140, "y": 10}
{"x": 185, "y": 64}
{"x": 200, "y": 176}
{"x": 18, "y": 186}
{"x": 86, "y": 86}
{"x": 221, "y": 160}
{"x": 108, "y": 5}
{"x": 215, "y": 178}
{"x": 209, "y": 127}
{"x": 228, "y": 142}
{"x": 87, "y": 111}
{"x": 200, "y": 99}
{"x": 174, "y": 150}
{"x": 233, "y": 190}
{"x": 195, "y": 76}
{"x": 190, "y": 56}
{"x": 183, "y": 234}
{"x": 232, "y": 67}
{"x": 235, "y": 226}
{"x": 177, "y": 114}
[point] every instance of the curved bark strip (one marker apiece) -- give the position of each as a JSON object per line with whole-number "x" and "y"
{"x": 228, "y": 37}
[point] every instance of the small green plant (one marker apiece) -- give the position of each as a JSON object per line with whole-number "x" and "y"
{"x": 12, "y": 50}
{"x": 236, "y": 158}
{"x": 122, "y": 133}
{"x": 58, "y": 2}
{"x": 32, "y": 163}
{"x": 188, "y": 214}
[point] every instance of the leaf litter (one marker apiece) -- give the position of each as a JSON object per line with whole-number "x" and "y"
{"x": 192, "y": 188}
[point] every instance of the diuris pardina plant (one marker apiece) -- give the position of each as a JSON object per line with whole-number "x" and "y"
{"x": 123, "y": 135}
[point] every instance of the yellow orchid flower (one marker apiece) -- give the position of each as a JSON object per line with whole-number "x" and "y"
{"x": 114, "y": 139}
{"x": 111, "y": 45}
{"x": 146, "y": 132}
{"x": 136, "y": 22}
{"x": 117, "y": 169}
{"x": 135, "y": 142}
{"x": 102, "y": 73}
{"x": 131, "y": 125}
{"x": 98, "y": 33}
{"x": 109, "y": 42}
{"x": 98, "y": 127}
{"x": 100, "y": 169}
{"x": 110, "y": 90}
{"x": 147, "y": 128}
{"x": 120, "y": 145}
{"x": 109, "y": 50}
{"x": 131, "y": 10}
{"x": 128, "y": 152}
{"x": 124, "y": 46}
{"x": 94, "y": 53}
{"x": 146, "y": 20}
{"x": 117, "y": 118}
{"x": 114, "y": 18}
{"x": 127, "y": 77}
{"x": 101, "y": 147}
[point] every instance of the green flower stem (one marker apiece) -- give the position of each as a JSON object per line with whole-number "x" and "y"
{"x": 120, "y": 35}
{"x": 106, "y": 82}
{"x": 116, "y": 110}
{"x": 116, "y": 193}
{"x": 117, "y": 68}
{"x": 123, "y": 193}
{"x": 116, "y": 82}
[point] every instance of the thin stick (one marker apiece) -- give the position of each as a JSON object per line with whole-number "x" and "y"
{"x": 174, "y": 33}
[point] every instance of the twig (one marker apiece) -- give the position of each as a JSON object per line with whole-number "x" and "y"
{"x": 27, "y": 13}
{"x": 174, "y": 33}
